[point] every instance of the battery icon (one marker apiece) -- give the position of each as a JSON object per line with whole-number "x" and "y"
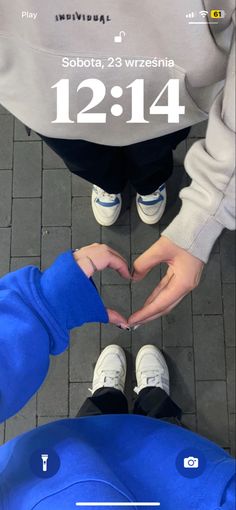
{"x": 217, "y": 13}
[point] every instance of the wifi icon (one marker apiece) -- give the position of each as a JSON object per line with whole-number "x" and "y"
{"x": 203, "y": 14}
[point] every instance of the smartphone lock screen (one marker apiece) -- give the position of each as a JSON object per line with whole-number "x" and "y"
{"x": 117, "y": 254}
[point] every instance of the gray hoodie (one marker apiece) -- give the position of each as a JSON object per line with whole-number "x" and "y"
{"x": 47, "y": 51}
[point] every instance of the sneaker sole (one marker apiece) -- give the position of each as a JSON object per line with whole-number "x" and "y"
{"x": 150, "y": 220}
{"x": 103, "y": 222}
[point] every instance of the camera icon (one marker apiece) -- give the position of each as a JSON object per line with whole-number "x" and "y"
{"x": 191, "y": 463}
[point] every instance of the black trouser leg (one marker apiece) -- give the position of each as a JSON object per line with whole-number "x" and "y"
{"x": 146, "y": 165}
{"x": 98, "y": 164}
{"x": 151, "y": 163}
{"x": 152, "y": 402}
{"x": 104, "y": 401}
{"x": 155, "y": 403}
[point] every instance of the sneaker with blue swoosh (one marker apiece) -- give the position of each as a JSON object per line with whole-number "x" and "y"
{"x": 106, "y": 207}
{"x": 151, "y": 207}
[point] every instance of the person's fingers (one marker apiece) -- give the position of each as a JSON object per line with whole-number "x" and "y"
{"x": 162, "y": 314}
{"x": 120, "y": 265}
{"x": 143, "y": 264}
{"x": 174, "y": 291}
{"x": 117, "y": 319}
{"x": 116, "y": 253}
{"x": 165, "y": 280}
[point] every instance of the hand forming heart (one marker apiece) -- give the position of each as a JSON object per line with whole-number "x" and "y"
{"x": 182, "y": 276}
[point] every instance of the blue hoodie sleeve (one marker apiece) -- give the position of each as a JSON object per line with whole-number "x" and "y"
{"x": 37, "y": 312}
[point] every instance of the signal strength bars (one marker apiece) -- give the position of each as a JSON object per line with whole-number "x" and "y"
{"x": 191, "y": 15}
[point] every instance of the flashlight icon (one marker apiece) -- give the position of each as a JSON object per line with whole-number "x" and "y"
{"x": 217, "y": 13}
{"x": 44, "y": 458}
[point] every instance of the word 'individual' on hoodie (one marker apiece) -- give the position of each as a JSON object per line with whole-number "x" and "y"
{"x": 37, "y": 312}
{"x": 31, "y": 55}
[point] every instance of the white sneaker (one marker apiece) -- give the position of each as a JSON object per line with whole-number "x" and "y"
{"x": 110, "y": 369}
{"x": 151, "y": 207}
{"x": 151, "y": 369}
{"x": 106, "y": 207}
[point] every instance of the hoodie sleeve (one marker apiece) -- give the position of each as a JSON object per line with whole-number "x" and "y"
{"x": 208, "y": 204}
{"x": 228, "y": 499}
{"x": 37, "y": 312}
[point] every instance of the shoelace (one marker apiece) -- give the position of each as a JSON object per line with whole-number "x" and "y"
{"x": 149, "y": 378}
{"x": 104, "y": 195}
{"x": 110, "y": 379}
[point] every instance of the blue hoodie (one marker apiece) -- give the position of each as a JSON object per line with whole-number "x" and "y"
{"x": 37, "y": 312}
{"x": 111, "y": 458}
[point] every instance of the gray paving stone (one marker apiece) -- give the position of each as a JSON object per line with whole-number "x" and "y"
{"x": 199, "y": 130}
{"x": 177, "y": 325}
{"x": 85, "y": 229}
{"x": 80, "y": 187}
{"x": 180, "y": 362}
{"x": 189, "y": 421}
{"x": 127, "y": 197}
{"x": 207, "y": 297}
{"x": 228, "y": 257}
{"x": 178, "y": 181}
{"x": 53, "y": 396}
{"x": 26, "y": 224}
{"x": 24, "y": 421}
{"x": 56, "y": 198}
{"x": 45, "y": 420}
{"x": 2, "y": 433}
{"x": 84, "y": 352}
{"x": 124, "y": 218}
{"x": 117, "y": 238}
{"x": 78, "y": 394}
{"x": 111, "y": 334}
{"x": 180, "y": 153}
{"x": 27, "y": 169}
{"x": 20, "y": 133}
{"x": 232, "y": 428}
{"x": 229, "y": 313}
{"x": 152, "y": 331}
{"x": 51, "y": 159}
{"x": 231, "y": 388}
{"x": 6, "y": 142}
{"x": 212, "y": 411}
{"x": 5, "y": 197}
{"x": 149, "y": 333}
{"x": 209, "y": 348}
{"x": 175, "y": 331}
{"x": 5, "y": 241}
{"x": 216, "y": 247}
{"x": 142, "y": 289}
{"x": 19, "y": 262}
{"x": 55, "y": 240}
{"x": 3, "y": 110}
{"x": 142, "y": 236}
{"x": 116, "y": 297}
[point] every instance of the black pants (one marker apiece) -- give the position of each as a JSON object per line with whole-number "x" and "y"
{"x": 152, "y": 402}
{"x": 145, "y": 165}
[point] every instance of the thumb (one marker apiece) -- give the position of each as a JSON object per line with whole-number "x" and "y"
{"x": 147, "y": 261}
{"x": 117, "y": 319}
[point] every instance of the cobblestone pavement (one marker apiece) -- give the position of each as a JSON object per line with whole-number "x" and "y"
{"x": 43, "y": 211}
